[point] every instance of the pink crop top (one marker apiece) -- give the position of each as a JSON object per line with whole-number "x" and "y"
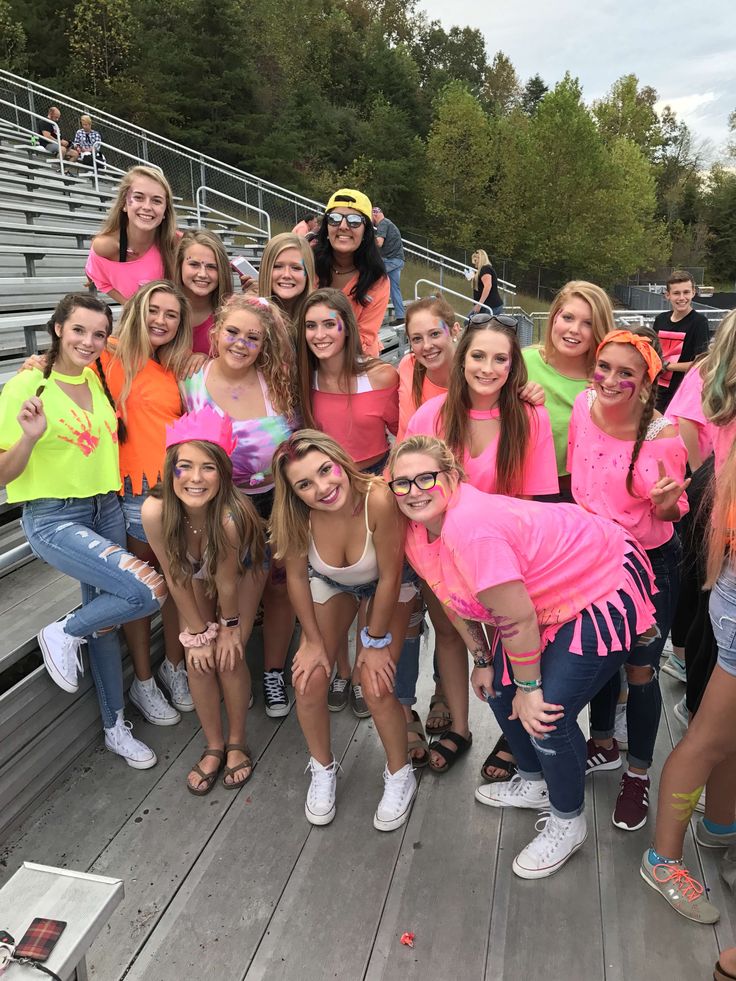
{"x": 125, "y": 277}
{"x": 358, "y": 422}
{"x": 540, "y": 466}
{"x": 599, "y": 464}
{"x": 568, "y": 560}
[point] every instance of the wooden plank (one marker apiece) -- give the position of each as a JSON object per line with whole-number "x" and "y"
{"x": 18, "y": 627}
{"x": 158, "y": 846}
{"x": 24, "y": 583}
{"x": 250, "y": 856}
{"x": 442, "y": 887}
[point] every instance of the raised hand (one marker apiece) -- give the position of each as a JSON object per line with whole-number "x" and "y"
{"x": 32, "y": 418}
{"x": 667, "y": 491}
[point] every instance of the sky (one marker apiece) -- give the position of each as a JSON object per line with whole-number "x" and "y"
{"x": 687, "y": 52}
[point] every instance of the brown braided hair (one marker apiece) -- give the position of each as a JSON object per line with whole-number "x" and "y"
{"x": 647, "y": 414}
{"x": 64, "y": 309}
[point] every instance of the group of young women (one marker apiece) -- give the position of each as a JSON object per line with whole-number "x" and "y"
{"x": 225, "y": 449}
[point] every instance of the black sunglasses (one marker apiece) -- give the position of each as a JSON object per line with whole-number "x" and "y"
{"x": 335, "y": 219}
{"x": 423, "y": 482}
{"x": 505, "y": 319}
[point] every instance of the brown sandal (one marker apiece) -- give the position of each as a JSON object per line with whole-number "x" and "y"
{"x": 442, "y": 715}
{"x": 209, "y": 778}
{"x": 230, "y": 771}
{"x": 415, "y": 728}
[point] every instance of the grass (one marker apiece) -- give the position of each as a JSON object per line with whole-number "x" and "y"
{"x": 414, "y": 271}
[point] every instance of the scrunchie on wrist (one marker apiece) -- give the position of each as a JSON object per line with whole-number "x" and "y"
{"x": 206, "y": 637}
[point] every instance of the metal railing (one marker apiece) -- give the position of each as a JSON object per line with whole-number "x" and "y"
{"x": 187, "y": 170}
{"x": 35, "y": 134}
{"x": 200, "y": 200}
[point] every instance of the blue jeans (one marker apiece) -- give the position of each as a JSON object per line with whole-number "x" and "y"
{"x": 393, "y": 271}
{"x": 644, "y": 704}
{"x": 569, "y": 680}
{"x": 131, "y": 504}
{"x": 722, "y": 611}
{"x": 85, "y": 538}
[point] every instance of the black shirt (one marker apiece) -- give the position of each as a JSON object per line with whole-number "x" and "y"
{"x": 493, "y": 299}
{"x": 48, "y": 126}
{"x": 682, "y": 341}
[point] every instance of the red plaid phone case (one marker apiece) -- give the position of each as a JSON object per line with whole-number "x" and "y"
{"x": 40, "y": 939}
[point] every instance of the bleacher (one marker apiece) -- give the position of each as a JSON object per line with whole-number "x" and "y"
{"x": 47, "y": 220}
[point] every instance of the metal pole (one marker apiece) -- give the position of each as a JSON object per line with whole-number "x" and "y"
{"x": 94, "y": 169}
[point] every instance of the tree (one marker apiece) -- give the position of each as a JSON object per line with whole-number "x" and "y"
{"x": 534, "y": 91}
{"x": 676, "y": 164}
{"x": 443, "y": 57}
{"x": 721, "y": 212}
{"x": 456, "y": 181}
{"x": 99, "y": 37}
{"x": 501, "y": 88}
{"x": 628, "y": 111}
{"x": 13, "y": 56}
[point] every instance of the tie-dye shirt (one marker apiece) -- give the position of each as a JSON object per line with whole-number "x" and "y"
{"x": 257, "y": 438}
{"x": 567, "y": 559}
{"x": 77, "y": 456}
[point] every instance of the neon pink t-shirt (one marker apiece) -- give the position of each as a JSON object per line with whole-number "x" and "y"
{"x": 406, "y": 398}
{"x": 599, "y": 464}
{"x": 540, "y": 466}
{"x": 568, "y": 559}
{"x": 201, "y": 338}
{"x": 723, "y": 438}
{"x": 124, "y": 277}
{"x": 358, "y": 422}
{"x": 687, "y": 403}
{"x": 370, "y": 317}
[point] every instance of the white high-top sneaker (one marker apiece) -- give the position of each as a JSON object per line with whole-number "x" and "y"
{"x": 175, "y": 681}
{"x": 398, "y": 794}
{"x": 119, "y": 739}
{"x": 558, "y": 839}
{"x": 151, "y": 703}
{"x": 62, "y": 655}
{"x": 320, "y": 804}
{"x": 517, "y": 792}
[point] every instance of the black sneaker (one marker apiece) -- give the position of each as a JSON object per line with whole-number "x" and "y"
{"x": 274, "y": 694}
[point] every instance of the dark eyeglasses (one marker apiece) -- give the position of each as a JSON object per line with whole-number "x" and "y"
{"x": 423, "y": 482}
{"x": 335, "y": 219}
{"x": 505, "y": 319}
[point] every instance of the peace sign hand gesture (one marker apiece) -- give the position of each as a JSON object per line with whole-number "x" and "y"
{"x": 666, "y": 493}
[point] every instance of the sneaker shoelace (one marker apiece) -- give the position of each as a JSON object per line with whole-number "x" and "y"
{"x": 550, "y": 830}
{"x": 393, "y": 790}
{"x": 633, "y": 789}
{"x": 322, "y": 779}
{"x": 71, "y": 651}
{"x": 357, "y": 692}
{"x": 273, "y": 684}
{"x": 178, "y": 682}
{"x": 339, "y": 684}
{"x": 688, "y": 887}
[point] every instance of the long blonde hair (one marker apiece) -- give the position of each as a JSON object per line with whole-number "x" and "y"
{"x": 722, "y": 536}
{"x": 224, "y": 272}
{"x": 133, "y": 348}
{"x": 275, "y": 360}
{"x": 479, "y": 259}
{"x": 290, "y": 516}
{"x": 718, "y": 372}
{"x": 274, "y": 247}
{"x": 116, "y": 222}
{"x": 601, "y": 314}
{"x": 229, "y": 502}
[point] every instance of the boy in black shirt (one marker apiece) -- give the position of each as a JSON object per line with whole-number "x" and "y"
{"x": 683, "y": 334}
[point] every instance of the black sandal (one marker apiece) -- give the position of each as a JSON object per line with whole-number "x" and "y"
{"x": 450, "y": 756}
{"x": 508, "y": 766}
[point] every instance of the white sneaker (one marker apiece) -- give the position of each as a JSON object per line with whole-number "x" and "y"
{"x": 62, "y": 655}
{"x": 517, "y": 792}
{"x": 557, "y": 840}
{"x": 398, "y": 794}
{"x": 320, "y": 804}
{"x": 175, "y": 681}
{"x": 680, "y": 711}
{"x": 150, "y": 702}
{"x": 700, "y": 806}
{"x": 119, "y": 739}
{"x": 620, "y": 727}
{"x": 674, "y": 667}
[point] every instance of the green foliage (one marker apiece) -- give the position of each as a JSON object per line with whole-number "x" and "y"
{"x": 12, "y": 41}
{"x": 628, "y": 111}
{"x": 721, "y": 212}
{"x": 99, "y": 38}
{"x": 501, "y": 89}
{"x": 533, "y": 93}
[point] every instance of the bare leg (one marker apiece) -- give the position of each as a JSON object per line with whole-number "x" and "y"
{"x": 720, "y": 797}
{"x": 333, "y": 618}
{"x": 343, "y": 661}
{"x": 453, "y": 663}
{"x": 708, "y": 742}
{"x": 278, "y": 621}
{"x": 386, "y": 711}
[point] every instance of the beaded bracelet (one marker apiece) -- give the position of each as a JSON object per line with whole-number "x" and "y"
{"x": 202, "y": 639}
{"x": 528, "y": 686}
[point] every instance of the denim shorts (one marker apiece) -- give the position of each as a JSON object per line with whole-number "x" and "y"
{"x": 323, "y": 588}
{"x": 722, "y": 611}
{"x": 131, "y": 504}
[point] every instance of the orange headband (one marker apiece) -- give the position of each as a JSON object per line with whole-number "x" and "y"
{"x": 645, "y": 349}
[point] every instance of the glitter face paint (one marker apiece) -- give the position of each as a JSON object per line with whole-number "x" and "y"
{"x": 444, "y": 326}
{"x": 333, "y": 314}
{"x": 337, "y": 470}
{"x": 598, "y": 378}
{"x": 177, "y": 472}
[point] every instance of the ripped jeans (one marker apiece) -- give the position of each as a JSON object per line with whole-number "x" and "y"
{"x": 84, "y": 537}
{"x": 569, "y": 680}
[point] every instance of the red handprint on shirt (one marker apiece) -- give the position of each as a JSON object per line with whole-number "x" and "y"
{"x": 113, "y": 432}
{"x": 84, "y": 438}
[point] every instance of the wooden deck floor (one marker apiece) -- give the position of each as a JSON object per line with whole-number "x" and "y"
{"x": 239, "y": 885}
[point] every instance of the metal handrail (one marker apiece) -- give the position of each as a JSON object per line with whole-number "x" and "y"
{"x": 110, "y": 168}
{"x": 33, "y": 132}
{"x": 243, "y": 204}
{"x": 453, "y": 265}
{"x": 444, "y": 289}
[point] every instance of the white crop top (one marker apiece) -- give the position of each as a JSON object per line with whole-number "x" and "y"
{"x": 363, "y": 571}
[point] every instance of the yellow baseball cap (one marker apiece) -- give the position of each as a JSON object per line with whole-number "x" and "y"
{"x": 346, "y": 197}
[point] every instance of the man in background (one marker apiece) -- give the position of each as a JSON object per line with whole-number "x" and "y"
{"x": 307, "y": 224}
{"x": 388, "y": 239}
{"x": 49, "y": 139}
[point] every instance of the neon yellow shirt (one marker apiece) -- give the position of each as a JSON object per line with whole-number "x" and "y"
{"x": 560, "y": 394}
{"x": 77, "y": 456}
